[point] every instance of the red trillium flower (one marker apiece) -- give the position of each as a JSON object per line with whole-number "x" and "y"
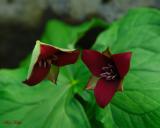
{"x": 46, "y": 61}
{"x": 108, "y": 73}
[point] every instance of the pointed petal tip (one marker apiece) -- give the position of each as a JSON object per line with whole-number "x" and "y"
{"x": 28, "y": 83}
{"x": 104, "y": 91}
{"x": 128, "y": 54}
{"x": 102, "y": 106}
{"x": 37, "y": 75}
{"x": 122, "y": 62}
{"x": 38, "y": 41}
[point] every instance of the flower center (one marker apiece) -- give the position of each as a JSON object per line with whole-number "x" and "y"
{"x": 109, "y": 72}
{"x": 47, "y": 62}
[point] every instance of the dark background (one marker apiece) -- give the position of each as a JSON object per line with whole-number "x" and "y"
{"x": 22, "y": 22}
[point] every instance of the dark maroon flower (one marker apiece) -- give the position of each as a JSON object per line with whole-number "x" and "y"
{"x": 108, "y": 73}
{"x": 46, "y": 61}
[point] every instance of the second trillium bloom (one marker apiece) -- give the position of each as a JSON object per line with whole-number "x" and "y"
{"x": 46, "y": 60}
{"x": 108, "y": 73}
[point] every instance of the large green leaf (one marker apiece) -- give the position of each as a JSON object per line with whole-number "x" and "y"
{"x": 138, "y": 106}
{"x": 42, "y": 106}
{"x": 63, "y": 35}
{"x": 46, "y": 105}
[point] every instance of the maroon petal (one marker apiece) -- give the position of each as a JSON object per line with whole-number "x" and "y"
{"x": 59, "y": 57}
{"x": 43, "y": 57}
{"x": 37, "y": 75}
{"x": 95, "y": 61}
{"x": 104, "y": 91}
{"x": 41, "y": 66}
{"x": 68, "y": 57}
{"x": 47, "y": 50}
{"x": 122, "y": 62}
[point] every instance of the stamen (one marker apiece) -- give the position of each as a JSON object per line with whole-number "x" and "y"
{"x": 106, "y": 73}
{"x": 109, "y": 77}
{"x": 43, "y": 63}
{"x": 40, "y": 63}
{"x": 109, "y": 72}
{"x": 107, "y": 67}
{"x": 47, "y": 61}
{"x": 114, "y": 76}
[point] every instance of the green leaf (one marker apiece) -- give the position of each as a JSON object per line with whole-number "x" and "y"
{"x": 42, "y": 106}
{"x": 63, "y": 35}
{"x": 138, "y": 106}
{"x": 46, "y": 105}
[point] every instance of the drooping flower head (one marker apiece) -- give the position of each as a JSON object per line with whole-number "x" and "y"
{"x": 46, "y": 60}
{"x": 108, "y": 72}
